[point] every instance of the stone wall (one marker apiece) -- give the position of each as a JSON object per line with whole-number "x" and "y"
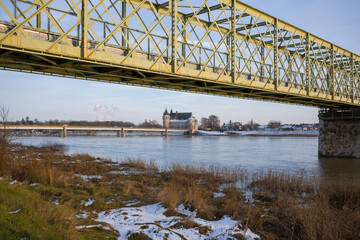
{"x": 339, "y": 136}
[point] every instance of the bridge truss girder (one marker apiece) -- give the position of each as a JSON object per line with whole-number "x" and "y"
{"x": 220, "y": 47}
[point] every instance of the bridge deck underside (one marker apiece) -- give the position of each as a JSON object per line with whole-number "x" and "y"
{"x": 215, "y": 47}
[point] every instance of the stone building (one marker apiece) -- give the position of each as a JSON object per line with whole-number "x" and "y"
{"x": 178, "y": 120}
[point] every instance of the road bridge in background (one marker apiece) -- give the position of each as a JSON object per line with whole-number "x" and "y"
{"x": 89, "y": 130}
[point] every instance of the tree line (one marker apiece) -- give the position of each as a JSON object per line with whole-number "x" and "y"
{"x": 146, "y": 123}
{"x": 213, "y": 123}
{"x": 206, "y": 123}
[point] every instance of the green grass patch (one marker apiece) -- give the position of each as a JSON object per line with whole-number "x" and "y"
{"x": 25, "y": 214}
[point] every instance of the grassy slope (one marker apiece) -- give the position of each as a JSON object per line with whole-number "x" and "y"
{"x": 285, "y": 207}
{"x": 39, "y": 218}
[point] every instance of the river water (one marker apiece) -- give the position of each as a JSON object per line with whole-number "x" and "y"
{"x": 255, "y": 154}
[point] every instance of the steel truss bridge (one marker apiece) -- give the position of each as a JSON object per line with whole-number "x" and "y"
{"x": 219, "y": 47}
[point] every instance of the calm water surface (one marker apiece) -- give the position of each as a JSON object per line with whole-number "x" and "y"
{"x": 289, "y": 154}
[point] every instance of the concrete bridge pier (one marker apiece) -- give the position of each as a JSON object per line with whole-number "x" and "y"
{"x": 121, "y": 133}
{"x": 165, "y": 133}
{"x": 339, "y": 133}
{"x": 63, "y": 132}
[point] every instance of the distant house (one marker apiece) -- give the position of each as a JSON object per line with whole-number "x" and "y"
{"x": 178, "y": 120}
{"x": 286, "y": 127}
{"x": 232, "y": 126}
{"x": 263, "y": 127}
{"x": 297, "y": 128}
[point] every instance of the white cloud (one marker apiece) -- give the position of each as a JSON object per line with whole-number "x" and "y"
{"x": 105, "y": 113}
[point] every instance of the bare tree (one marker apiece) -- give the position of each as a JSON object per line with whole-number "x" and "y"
{"x": 204, "y": 123}
{"x": 251, "y": 125}
{"x": 214, "y": 122}
{"x": 5, "y": 138}
{"x": 274, "y": 124}
{"x": 150, "y": 124}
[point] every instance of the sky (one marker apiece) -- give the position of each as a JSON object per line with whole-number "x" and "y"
{"x": 45, "y": 97}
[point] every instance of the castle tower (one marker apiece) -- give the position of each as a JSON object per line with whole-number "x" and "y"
{"x": 166, "y": 119}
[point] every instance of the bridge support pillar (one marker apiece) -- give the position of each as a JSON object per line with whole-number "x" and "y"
{"x": 122, "y": 132}
{"x": 64, "y": 132}
{"x": 339, "y": 133}
{"x": 166, "y": 133}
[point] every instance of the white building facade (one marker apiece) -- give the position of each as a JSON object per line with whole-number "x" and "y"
{"x": 178, "y": 120}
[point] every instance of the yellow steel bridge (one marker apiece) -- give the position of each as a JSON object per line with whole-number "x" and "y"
{"x": 219, "y": 47}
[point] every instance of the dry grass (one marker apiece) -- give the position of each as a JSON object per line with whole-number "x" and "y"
{"x": 285, "y": 207}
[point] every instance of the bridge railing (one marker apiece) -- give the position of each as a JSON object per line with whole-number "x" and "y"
{"x": 333, "y": 113}
{"x": 215, "y": 40}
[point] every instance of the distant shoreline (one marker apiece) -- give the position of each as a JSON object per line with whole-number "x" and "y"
{"x": 259, "y": 134}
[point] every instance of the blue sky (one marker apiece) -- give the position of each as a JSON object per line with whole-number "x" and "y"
{"x": 45, "y": 97}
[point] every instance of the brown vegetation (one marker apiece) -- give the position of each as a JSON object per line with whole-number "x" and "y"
{"x": 282, "y": 206}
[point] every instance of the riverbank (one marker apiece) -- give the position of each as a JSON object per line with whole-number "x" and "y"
{"x": 48, "y": 194}
{"x": 259, "y": 133}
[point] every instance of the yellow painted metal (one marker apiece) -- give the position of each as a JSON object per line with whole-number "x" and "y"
{"x": 221, "y": 47}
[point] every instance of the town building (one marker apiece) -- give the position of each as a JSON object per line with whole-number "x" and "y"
{"x": 178, "y": 120}
{"x": 232, "y": 126}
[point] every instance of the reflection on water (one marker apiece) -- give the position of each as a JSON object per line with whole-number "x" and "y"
{"x": 340, "y": 167}
{"x": 289, "y": 154}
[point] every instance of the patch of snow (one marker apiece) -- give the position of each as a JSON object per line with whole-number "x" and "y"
{"x": 219, "y": 194}
{"x": 56, "y": 201}
{"x": 83, "y": 215}
{"x": 88, "y": 202}
{"x": 131, "y": 203}
{"x": 277, "y": 133}
{"x": 13, "y": 182}
{"x": 250, "y": 235}
{"x": 151, "y": 221}
{"x": 33, "y": 185}
{"x": 16, "y": 211}
{"x": 210, "y": 133}
{"x": 1, "y": 178}
{"x": 181, "y": 209}
{"x": 88, "y": 226}
{"x": 122, "y": 172}
{"x": 249, "y": 195}
{"x": 126, "y": 172}
{"x": 86, "y": 178}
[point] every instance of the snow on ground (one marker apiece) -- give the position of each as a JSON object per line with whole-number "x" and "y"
{"x": 131, "y": 203}
{"x": 280, "y": 133}
{"x": 210, "y": 133}
{"x": 88, "y": 202}
{"x": 219, "y": 194}
{"x": 16, "y": 211}
{"x": 151, "y": 221}
{"x": 89, "y": 226}
{"x": 83, "y": 215}
{"x": 86, "y": 178}
{"x": 260, "y": 133}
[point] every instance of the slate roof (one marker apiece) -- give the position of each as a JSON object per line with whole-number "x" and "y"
{"x": 180, "y": 116}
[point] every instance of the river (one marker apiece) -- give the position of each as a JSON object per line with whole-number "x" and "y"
{"x": 255, "y": 154}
